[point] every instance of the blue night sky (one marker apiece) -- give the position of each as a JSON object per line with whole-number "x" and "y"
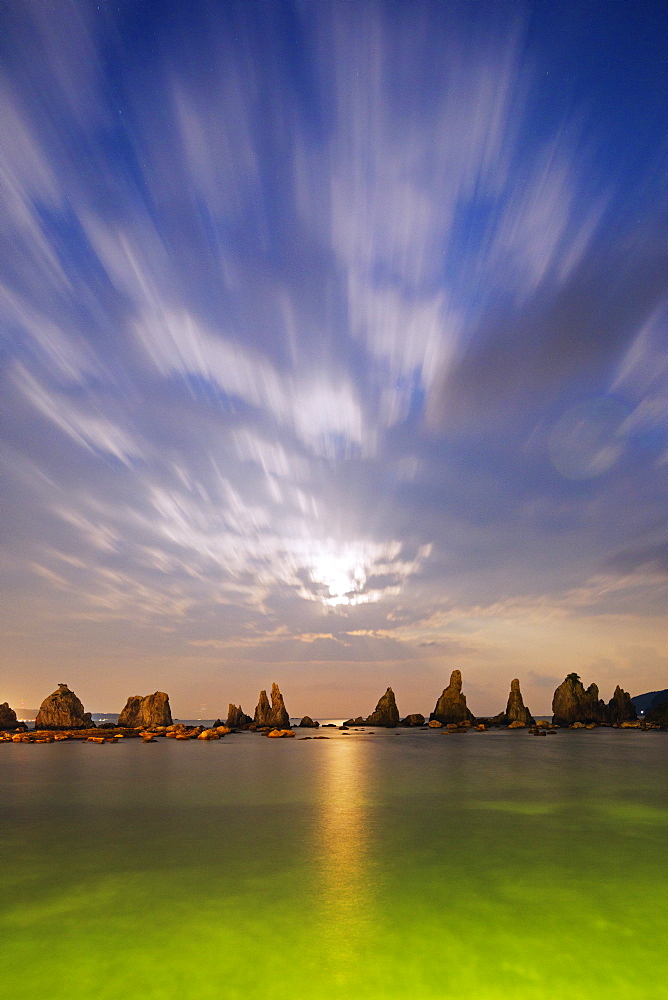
{"x": 333, "y": 350}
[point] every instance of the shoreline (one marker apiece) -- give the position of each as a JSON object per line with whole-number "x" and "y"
{"x": 108, "y": 733}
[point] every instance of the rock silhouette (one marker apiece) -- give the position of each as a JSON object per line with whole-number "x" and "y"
{"x": 451, "y": 706}
{"x": 516, "y": 711}
{"x": 8, "y": 718}
{"x": 386, "y": 712}
{"x": 415, "y": 719}
{"x": 571, "y": 703}
{"x": 146, "y": 711}
{"x": 620, "y": 707}
{"x": 308, "y": 723}
{"x": 62, "y": 710}
{"x": 237, "y": 718}
{"x": 275, "y": 716}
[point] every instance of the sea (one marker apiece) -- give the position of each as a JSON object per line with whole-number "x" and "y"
{"x": 379, "y": 864}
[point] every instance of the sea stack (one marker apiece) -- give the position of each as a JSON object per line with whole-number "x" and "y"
{"x": 237, "y": 718}
{"x": 516, "y": 710}
{"x": 386, "y": 712}
{"x": 63, "y": 710}
{"x": 277, "y": 716}
{"x": 8, "y": 718}
{"x": 571, "y": 703}
{"x": 146, "y": 711}
{"x": 620, "y": 707}
{"x": 451, "y": 706}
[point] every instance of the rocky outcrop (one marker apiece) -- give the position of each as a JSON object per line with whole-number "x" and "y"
{"x": 8, "y": 718}
{"x": 386, "y": 712}
{"x": 359, "y": 721}
{"x": 63, "y": 710}
{"x": 451, "y": 706}
{"x": 146, "y": 711}
{"x": 308, "y": 723}
{"x": 237, "y": 718}
{"x": 416, "y": 719}
{"x": 262, "y": 710}
{"x": 571, "y": 703}
{"x": 277, "y": 716}
{"x": 516, "y": 711}
{"x": 620, "y": 707}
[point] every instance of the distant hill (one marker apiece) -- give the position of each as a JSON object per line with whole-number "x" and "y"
{"x": 658, "y": 714}
{"x": 645, "y": 702}
{"x": 105, "y": 716}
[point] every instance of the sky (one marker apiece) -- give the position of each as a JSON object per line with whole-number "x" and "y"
{"x": 333, "y": 350}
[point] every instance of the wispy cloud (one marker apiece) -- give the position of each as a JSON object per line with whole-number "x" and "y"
{"x": 347, "y": 349}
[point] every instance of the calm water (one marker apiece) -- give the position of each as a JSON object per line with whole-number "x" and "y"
{"x": 492, "y": 865}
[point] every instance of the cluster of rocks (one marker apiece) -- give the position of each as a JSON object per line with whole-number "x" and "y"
{"x": 274, "y": 716}
{"x": 573, "y": 704}
{"x": 451, "y": 711}
{"x": 149, "y": 716}
{"x": 270, "y": 719}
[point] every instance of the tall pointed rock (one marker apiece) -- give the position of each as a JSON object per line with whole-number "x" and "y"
{"x": 620, "y": 707}
{"x": 262, "y": 711}
{"x": 276, "y": 715}
{"x": 386, "y": 713}
{"x": 451, "y": 706}
{"x": 279, "y": 713}
{"x": 516, "y": 711}
{"x": 237, "y": 718}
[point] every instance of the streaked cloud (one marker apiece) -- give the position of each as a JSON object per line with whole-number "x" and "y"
{"x": 336, "y": 342}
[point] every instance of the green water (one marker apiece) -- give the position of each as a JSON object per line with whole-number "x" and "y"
{"x": 491, "y": 865}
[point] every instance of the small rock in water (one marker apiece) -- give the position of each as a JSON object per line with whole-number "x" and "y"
{"x": 415, "y": 719}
